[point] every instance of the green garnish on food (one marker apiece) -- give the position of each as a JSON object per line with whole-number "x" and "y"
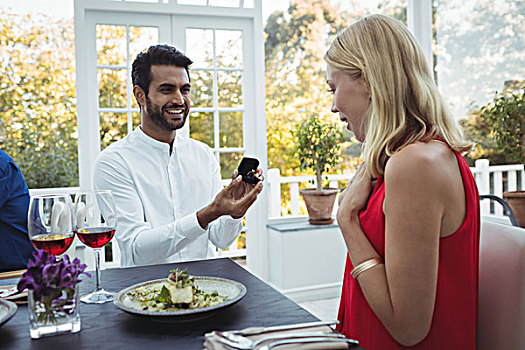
{"x": 164, "y": 296}
{"x": 181, "y": 279}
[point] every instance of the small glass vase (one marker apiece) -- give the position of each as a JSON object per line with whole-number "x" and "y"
{"x": 51, "y": 317}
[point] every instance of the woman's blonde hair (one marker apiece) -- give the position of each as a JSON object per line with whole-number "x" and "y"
{"x": 406, "y": 105}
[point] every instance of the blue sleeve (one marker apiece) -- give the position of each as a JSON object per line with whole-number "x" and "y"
{"x": 12, "y": 184}
{"x": 4, "y": 179}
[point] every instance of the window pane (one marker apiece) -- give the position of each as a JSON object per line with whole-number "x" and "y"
{"x": 192, "y": 2}
{"x": 248, "y": 4}
{"x": 230, "y": 89}
{"x": 224, "y": 3}
{"x": 480, "y": 49}
{"x": 113, "y": 127}
{"x": 135, "y": 116}
{"x": 38, "y": 118}
{"x": 229, "y": 48}
{"x": 229, "y": 162}
{"x": 140, "y": 38}
{"x": 111, "y": 44}
{"x": 393, "y": 8}
{"x": 201, "y": 127}
{"x": 199, "y": 47}
{"x": 153, "y": 1}
{"x": 230, "y": 129}
{"x": 201, "y": 88}
{"x": 112, "y": 88}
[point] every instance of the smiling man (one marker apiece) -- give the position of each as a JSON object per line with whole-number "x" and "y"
{"x": 170, "y": 201}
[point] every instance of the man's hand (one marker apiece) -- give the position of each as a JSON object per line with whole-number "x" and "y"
{"x": 242, "y": 190}
{"x": 233, "y": 200}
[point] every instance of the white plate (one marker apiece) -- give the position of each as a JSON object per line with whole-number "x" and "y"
{"x": 7, "y": 310}
{"x": 232, "y": 290}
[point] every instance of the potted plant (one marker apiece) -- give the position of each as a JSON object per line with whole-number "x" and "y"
{"x": 506, "y": 117}
{"x": 318, "y": 146}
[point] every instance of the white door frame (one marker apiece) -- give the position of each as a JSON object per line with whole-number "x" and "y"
{"x": 419, "y": 21}
{"x": 88, "y": 13}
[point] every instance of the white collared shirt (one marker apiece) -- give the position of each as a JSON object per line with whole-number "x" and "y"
{"x": 157, "y": 196}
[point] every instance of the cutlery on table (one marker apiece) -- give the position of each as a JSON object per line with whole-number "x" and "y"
{"x": 309, "y": 340}
{"x": 261, "y": 330}
{"x": 241, "y": 342}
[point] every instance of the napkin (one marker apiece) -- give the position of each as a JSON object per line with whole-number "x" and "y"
{"x": 20, "y": 298}
{"x": 212, "y": 343}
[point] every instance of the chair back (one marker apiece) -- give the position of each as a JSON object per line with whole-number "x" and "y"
{"x": 501, "y": 311}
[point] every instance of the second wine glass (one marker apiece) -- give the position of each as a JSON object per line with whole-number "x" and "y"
{"x": 96, "y": 222}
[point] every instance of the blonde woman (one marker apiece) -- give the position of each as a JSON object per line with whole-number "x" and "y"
{"x": 410, "y": 216}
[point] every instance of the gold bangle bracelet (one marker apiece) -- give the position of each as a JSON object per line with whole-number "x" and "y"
{"x": 368, "y": 264}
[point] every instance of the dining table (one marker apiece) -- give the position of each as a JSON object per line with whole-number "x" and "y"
{"x": 104, "y": 326}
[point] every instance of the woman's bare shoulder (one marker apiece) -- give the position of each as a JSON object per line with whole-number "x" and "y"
{"x": 417, "y": 159}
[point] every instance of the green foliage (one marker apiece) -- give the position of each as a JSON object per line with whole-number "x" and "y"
{"x": 506, "y": 116}
{"x": 296, "y": 73}
{"x": 477, "y": 130}
{"x": 37, "y": 98}
{"x": 318, "y": 146}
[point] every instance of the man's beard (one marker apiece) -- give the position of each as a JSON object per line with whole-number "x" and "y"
{"x": 155, "y": 115}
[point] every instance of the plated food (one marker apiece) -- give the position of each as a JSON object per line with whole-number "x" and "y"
{"x": 179, "y": 294}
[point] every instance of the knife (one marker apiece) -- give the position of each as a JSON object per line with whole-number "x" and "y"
{"x": 260, "y": 330}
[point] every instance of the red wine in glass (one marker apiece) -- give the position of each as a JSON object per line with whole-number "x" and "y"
{"x": 95, "y": 237}
{"x": 54, "y": 244}
{"x": 96, "y": 222}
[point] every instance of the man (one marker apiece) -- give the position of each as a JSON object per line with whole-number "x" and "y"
{"x": 16, "y": 249}
{"x": 170, "y": 201}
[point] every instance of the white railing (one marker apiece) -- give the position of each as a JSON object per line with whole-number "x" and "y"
{"x": 275, "y": 180}
{"x": 490, "y": 180}
{"x": 495, "y": 180}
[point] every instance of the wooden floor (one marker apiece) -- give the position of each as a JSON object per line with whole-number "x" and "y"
{"x": 324, "y": 309}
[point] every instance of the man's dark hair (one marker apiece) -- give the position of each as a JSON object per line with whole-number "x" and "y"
{"x": 156, "y": 55}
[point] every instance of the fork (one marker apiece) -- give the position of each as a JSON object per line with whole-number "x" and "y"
{"x": 308, "y": 340}
{"x": 243, "y": 343}
{"x": 259, "y": 330}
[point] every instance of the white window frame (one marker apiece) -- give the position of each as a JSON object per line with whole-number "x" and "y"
{"x": 254, "y": 127}
{"x": 419, "y": 21}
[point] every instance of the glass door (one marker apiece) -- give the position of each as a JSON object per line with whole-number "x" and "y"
{"x": 218, "y": 75}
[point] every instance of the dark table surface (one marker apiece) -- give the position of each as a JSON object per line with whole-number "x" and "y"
{"x": 106, "y": 327}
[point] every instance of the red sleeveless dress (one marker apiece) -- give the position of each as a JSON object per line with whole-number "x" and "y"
{"x": 454, "y": 321}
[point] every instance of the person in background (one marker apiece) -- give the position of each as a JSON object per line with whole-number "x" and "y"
{"x": 170, "y": 201}
{"x": 15, "y": 249}
{"x": 410, "y": 215}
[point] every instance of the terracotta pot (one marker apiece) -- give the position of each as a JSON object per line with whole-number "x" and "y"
{"x": 320, "y": 205}
{"x": 516, "y": 200}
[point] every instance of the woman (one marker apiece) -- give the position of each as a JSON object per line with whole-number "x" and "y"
{"x": 412, "y": 235}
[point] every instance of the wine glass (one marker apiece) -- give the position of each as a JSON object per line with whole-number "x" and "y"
{"x": 96, "y": 222}
{"x": 50, "y": 222}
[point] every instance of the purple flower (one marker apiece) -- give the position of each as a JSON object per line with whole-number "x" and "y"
{"x": 49, "y": 276}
